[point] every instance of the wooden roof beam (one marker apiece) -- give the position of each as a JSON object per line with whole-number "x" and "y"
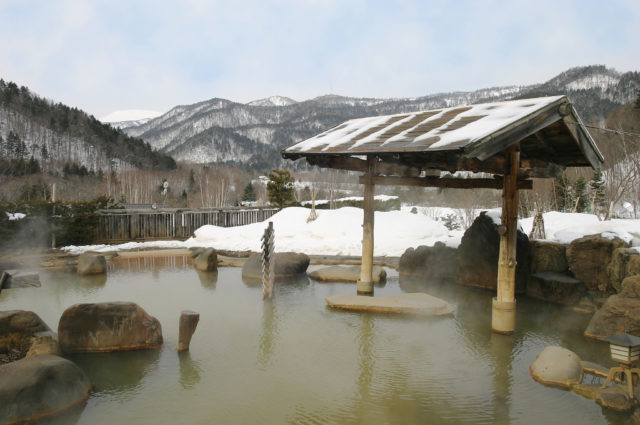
{"x": 453, "y": 183}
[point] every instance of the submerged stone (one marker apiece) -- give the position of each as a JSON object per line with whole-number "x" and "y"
{"x": 416, "y": 303}
{"x": 613, "y": 397}
{"x": 346, "y": 274}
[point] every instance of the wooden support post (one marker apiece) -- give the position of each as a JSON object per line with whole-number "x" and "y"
{"x": 365, "y": 283}
{"x": 503, "y": 318}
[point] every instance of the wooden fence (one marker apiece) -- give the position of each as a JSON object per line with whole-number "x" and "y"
{"x": 169, "y": 223}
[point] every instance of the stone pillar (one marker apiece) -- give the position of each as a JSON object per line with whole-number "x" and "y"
{"x": 365, "y": 283}
{"x": 503, "y": 317}
{"x": 188, "y": 323}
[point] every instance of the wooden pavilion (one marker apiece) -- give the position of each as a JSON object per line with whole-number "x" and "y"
{"x": 502, "y": 144}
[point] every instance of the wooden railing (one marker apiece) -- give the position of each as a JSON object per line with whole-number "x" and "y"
{"x": 170, "y": 223}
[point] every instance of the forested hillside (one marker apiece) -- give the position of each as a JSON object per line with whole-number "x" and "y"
{"x": 36, "y": 133}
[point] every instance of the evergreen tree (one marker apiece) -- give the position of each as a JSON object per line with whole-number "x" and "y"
{"x": 596, "y": 192}
{"x": 581, "y": 203}
{"x": 280, "y": 188}
{"x": 637, "y": 104}
{"x": 249, "y": 193}
{"x": 13, "y": 145}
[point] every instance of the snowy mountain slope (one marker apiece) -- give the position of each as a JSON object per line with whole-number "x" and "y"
{"x": 277, "y": 122}
{"x": 273, "y": 101}
{"x": 130, "y": 115}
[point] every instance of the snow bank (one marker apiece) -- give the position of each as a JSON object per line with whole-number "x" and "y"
{"x": 339, "y": 232}
{"x": 565, "y": 227}
{"x": 336, "y": 232}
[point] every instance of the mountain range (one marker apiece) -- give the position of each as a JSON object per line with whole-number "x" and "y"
{"x": 252, "y": 134}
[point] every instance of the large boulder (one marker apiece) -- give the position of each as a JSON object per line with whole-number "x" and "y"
{"x": 38, "y": 387}
{"x": 478, "y": 256}
{"x": 346, "y": 274}
{"x": 589, "y": 259}
{"x": 548, "y": 257}
{"x": 287, "y": 265}
{"x": 559, "y": 288}
{"x": 205, "y": 259}
{"x": 620, "y": 313}
{"x": 624, "y": 262}
{"x": 18, "y": 330}
{"x": 557, "y": 367}
{"x": 112, "y": 326}
{"x": 436, "y": 262}
{"x": 91, "y": 263}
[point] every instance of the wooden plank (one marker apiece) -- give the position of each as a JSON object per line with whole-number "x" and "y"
{"x": 453, "y": 183}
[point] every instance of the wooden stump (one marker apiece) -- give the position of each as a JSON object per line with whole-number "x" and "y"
{"x": 188, "y": 323}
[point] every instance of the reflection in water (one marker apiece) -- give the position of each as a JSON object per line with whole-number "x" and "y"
{"x": 293, "y": 360}
{"x": 143, "y": 263}
{"x": 189, "y": 370}
{"x": 92, "y": 283}
{"x": 366, "y": 361}
{"x": 208, "y": 280}
{"x": 68, "y": 417}
{"x": 268, "y": 334}
{"x": 501, "y": 352}
{"x": 117, "y": 372}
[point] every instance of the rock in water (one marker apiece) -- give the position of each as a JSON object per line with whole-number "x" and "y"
{"x": 287, "y": 265}
{"x": 430, "y": 262}
{"x": 38, "y": 387}
{"x": 187, "y": 326}
{"x": 18, "y": 330}
{"x": 557, "y": 367}
{"x": 206, "y": 260}
{"x": 620, "y": 313}
{"x": 416, "y": 303}
{"x": 112, "y": 326}
{"x": 346, "y": 274}
{"x": 478, "y": 256}
{"x": 92, "y": 263}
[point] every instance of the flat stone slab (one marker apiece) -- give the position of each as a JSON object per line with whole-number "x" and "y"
{"x": 346, "y": 274}
{"x": 415, "y": 303}
{"x": 19, "y": 279}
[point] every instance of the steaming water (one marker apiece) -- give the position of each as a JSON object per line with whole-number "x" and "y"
{"x": 295, "y": 361}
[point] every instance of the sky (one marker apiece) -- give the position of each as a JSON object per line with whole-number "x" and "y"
{"x": 103, "y": 56}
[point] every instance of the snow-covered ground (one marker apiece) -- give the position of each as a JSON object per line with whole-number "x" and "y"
{"x": 339, "y": 232}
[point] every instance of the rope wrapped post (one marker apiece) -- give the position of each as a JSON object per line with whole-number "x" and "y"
{"x": 268, "y": 268}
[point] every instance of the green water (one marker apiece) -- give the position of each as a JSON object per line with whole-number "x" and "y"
{"x": 294, "y": 361}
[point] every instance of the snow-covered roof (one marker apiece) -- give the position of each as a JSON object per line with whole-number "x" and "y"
{"x": 475, "y": 131}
